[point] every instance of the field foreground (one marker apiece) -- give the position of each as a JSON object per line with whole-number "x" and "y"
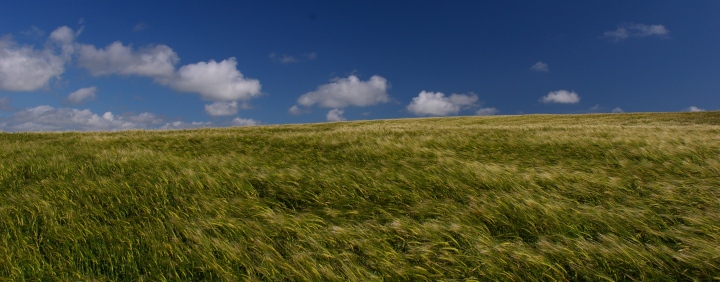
{"x": 537, "y": 197}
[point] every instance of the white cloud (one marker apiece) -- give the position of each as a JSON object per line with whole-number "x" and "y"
{"x": 157, "y": 62}
{"x": 562, "y": 97}
{"x": 618, "y": 34}
{"x": 540, "y": 67}
{"x": 222, "y": 108}
{"x": 63, "y": 34}
{"x": 82, "y": 94}
{"x": 244, "y": 122}
{"x": 351, "y": 91}
{"x": 335, "y": 115}
{"x": 295, "y": 110}
{"x": 26, "y": 69}
{"x": 108, "y": 116}
{"x": 47, "y": 118}
{"x": 694, "y": 109}
{"x": 437, "y": 104}
{"x": 626, "y": 31}
{"x": 65, "y": 38}
{"x": 617, "y": 110}
{"x": 216, "y": 81}
{"x": 463, "y": 99}
{"x": 486, "y": 111}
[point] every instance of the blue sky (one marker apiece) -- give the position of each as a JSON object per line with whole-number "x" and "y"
{"x": 113, "y": 65}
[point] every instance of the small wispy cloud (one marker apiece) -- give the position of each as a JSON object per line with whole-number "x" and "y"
{"x": 487, "y": 111}
{"x": 633, "y": 30}
{"x": 617, "y": 110}
{"x": 561, "y": 97}
{"x": 140, "y": 27}
{"x": 244, "y": 122}
{"x": 295, "y": 110}
{"x": 694, "y": 109}
{"x": 82, "y": 94}
{"x": 540, "y": 67}
{"x": 34, "y": 31}
{"x": 222, "y": 108}
{"x": 290, "y": 59}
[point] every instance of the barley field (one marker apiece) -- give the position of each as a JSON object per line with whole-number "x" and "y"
{"x": 503, "y": 198}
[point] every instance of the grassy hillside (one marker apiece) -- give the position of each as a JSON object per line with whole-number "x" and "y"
{"x": 538, "y": 197}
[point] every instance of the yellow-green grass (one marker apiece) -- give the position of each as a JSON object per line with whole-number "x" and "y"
{"x": 523, "y": 198}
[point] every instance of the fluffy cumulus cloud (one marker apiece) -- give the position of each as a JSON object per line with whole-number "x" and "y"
{"x": 47, "y": 118}
{"x": 82, "y": 94}
{"x": 694, "y": 109}
{"x": 335, "y": 115}
{"x": 25, "y": 68}
{"x": 244, "y": 122}
{"x": 626, "y": 31}
{"x": 540, "y": 67}
{"x": 561, "y": 97}
{"x": 157, "y": 62}
{"x": 65, "y": 38}
{"x": 487, "y": 111}
{"x": 64, "y": 35}
{"x": 216, "y": 81}
{"x": 222, "y": 108}
{"x": 437, "y": 104}
{"x": 349, "y": 91}
{"x": 617, "y": 110}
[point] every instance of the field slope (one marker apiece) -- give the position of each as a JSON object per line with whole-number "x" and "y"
{"x": 536, "y": 197}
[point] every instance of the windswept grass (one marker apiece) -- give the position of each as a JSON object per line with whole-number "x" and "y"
{"x": 523, "y": 198}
